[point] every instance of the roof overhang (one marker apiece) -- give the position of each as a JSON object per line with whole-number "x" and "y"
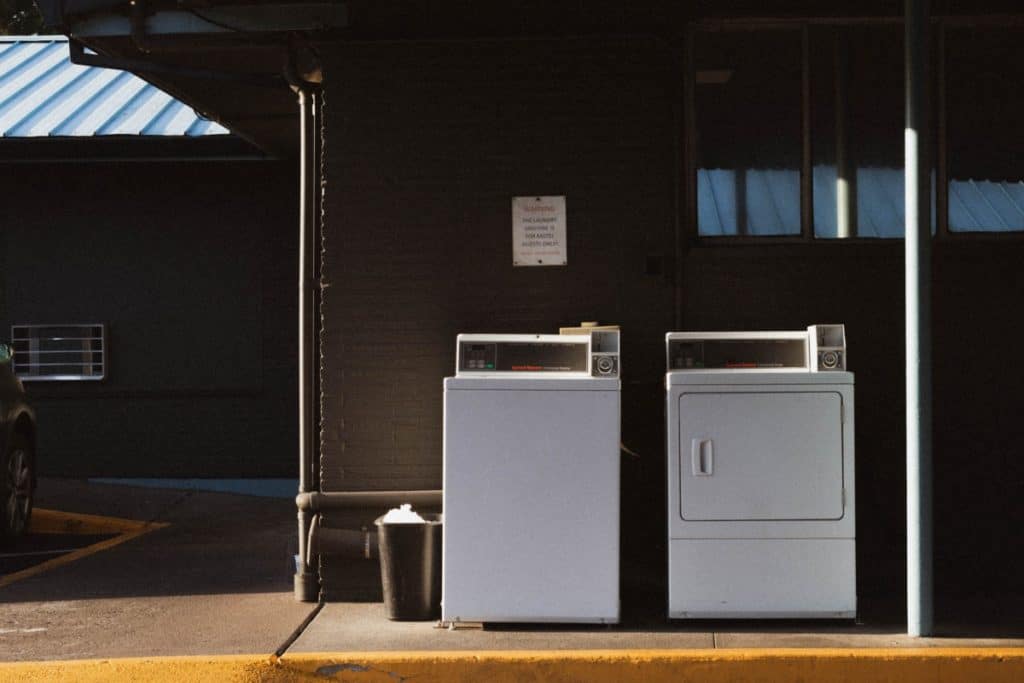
{"x": 254, "y": 38}
{"x": 126, "y": 148}
{"x": 249, "y": 47}
{"x": 219, "y": 19}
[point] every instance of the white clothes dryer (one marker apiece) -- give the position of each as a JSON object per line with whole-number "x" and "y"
{"x": 761, "y": 514}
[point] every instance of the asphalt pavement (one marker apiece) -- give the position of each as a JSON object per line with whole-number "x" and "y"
{"x": 216, "y": 580}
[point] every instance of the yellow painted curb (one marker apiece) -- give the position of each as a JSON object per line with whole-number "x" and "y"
{"x": 825, "y": 665}
{"x": 55, "y": 522}
{"x": 242, "y": 668}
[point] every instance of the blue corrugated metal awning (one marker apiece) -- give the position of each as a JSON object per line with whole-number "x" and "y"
{"x": 42, "y": 94}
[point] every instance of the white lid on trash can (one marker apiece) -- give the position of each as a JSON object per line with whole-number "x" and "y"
{"x": 402, "y": 515}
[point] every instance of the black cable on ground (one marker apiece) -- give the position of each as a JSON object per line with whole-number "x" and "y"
{"x": 300, "y": 628}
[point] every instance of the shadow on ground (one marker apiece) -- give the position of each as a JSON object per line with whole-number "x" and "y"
{"x": 233, "y": 546}
{"x": 215, "y": 544}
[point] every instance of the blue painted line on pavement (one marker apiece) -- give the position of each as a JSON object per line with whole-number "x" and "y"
{"x": 264, "y": 488}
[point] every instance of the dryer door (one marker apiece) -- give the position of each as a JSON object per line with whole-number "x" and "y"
{"x": 761, "y": 456}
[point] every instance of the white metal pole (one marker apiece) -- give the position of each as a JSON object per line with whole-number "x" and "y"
{"x": 918, "y": 323}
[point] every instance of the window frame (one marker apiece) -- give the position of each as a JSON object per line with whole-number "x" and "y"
{"x": 942, "y": 158}
{"x": 939, "y": 133}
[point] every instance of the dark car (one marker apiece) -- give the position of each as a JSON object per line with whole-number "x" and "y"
{"x": 17, "y": 452}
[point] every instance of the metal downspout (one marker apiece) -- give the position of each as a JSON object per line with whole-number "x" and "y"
{"x": 313, "y": 539}
{"x": 306, "y": 582}
{"x": 918, "y": 324}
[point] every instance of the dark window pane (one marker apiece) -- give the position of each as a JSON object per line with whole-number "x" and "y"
{"x": 857, "y": 123}
{"x": 985, "y": 124}
{"x": 748, "y": 151}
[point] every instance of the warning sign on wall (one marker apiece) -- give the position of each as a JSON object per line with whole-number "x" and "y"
{"x": 538, "y": 231}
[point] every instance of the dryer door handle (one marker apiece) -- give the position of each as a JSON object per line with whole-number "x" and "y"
{"x": 702, "y": 457}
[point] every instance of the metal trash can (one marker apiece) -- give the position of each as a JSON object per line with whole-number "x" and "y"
{"x": 410, "y": 568}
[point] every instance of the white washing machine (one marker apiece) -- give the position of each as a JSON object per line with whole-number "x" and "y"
{"x": 760, "y": 475}
{"x": 531, "y": 480}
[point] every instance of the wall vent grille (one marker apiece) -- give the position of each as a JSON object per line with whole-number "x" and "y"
{"x": 60, "y": 353}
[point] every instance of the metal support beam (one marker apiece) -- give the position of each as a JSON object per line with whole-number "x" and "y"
{"x": 225, "y": 20}
{"x": 77, "y": 55}
{"x": 918, "y": 323}
{"x": 806, "y": 139}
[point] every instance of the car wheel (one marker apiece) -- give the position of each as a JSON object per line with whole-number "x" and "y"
{"x": 16, "y": 479}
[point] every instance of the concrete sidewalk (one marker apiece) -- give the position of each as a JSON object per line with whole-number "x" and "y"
{"x": 217, "y": 581}
{"x": 362, "y": 626}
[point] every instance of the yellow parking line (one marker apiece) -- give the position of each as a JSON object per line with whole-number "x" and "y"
{"x": 824, "y": 665}
{"x": 56, "y": 522}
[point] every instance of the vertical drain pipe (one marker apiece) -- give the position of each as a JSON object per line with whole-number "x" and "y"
{"x": 306, "y": 582}
{"x": 918, "y": 322}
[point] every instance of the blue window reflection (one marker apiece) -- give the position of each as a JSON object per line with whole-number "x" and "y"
{"x": 877, "y": 195}
{"x": 747, "y": 116}
{"x": 986, "y": 206}
{"x": 748, "y": 201}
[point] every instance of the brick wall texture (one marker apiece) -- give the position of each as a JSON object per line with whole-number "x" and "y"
{"x": 426, "y": 145}
{"x": 192, "y": 267}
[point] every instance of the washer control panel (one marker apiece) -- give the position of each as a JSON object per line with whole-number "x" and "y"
{"x": 604, "y": 365}
{"x": 579, "y": 355}
{"x": 478, "y": 356}
{"x": 523, "y": 356}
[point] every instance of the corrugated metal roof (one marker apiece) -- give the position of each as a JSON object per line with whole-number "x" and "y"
{"x": 42, "y": 94}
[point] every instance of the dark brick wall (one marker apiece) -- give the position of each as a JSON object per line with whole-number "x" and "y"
{"x": 192, "y": 267}
{"x": 427, "y": 143}
{"x": 426, "y": 146}
{"x": 979, "y": 480}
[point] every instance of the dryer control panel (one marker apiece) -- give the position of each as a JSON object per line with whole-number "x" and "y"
{"x": 819, "y": 348}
